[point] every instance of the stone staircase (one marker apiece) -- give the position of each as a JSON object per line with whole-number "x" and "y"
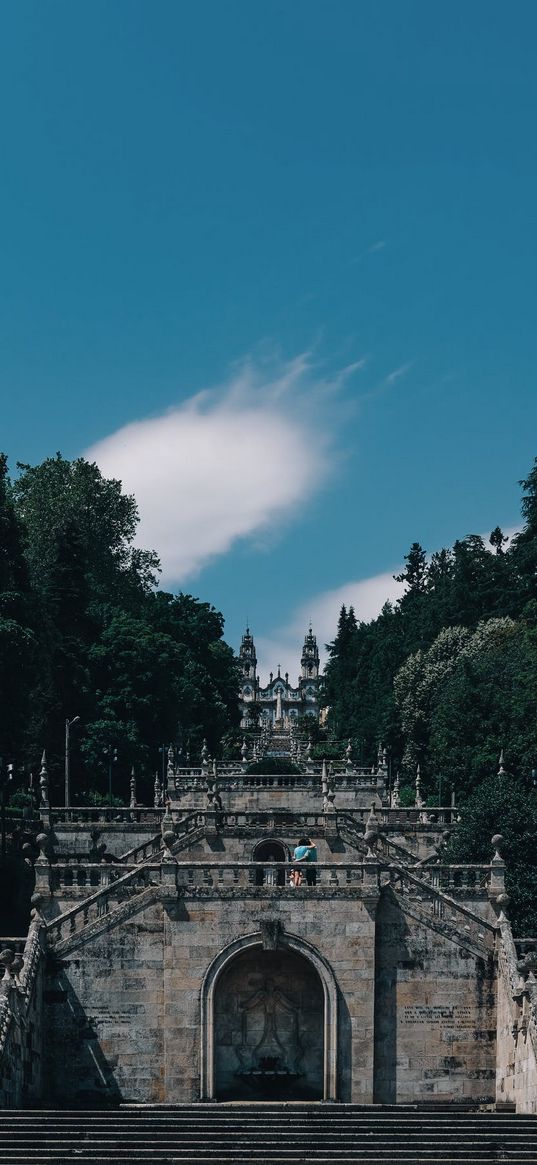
{"x": 290, "y": 1133}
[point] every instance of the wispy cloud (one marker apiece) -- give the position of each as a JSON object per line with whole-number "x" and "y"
{"x": 228, "y": 463}
{"x": 383, "y": 386}
{"x": 379, "y": 245}
{"x": 397, "y": 373}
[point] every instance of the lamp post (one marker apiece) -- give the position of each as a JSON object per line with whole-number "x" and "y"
{"x": 68, "y": 725}
{"x": 111, "y": 753}
{"x": 164, "y": 754}
{"x": 6, "y": 775}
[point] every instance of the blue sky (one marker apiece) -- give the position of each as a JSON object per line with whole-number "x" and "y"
{"x": 274, "y": 264}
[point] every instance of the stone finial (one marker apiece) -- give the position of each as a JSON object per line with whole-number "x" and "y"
{"x": 204, "y": 756}
{"x": 396, "y": 791}
{"x": 6, "y": 960}
{"x": 497, "y": 875}
{"x": 244, "y": 755}
{"x": 324, "y": 778}
{"x": 43, "y": 783}
{"x": 349, "y": 766}
{"x": 157, "y": 801}
{"x": 171, "y": 764}
{"x": 168, "y": 838}
{"x": 42, "y": 840}
{"x": 211, "y": 787}
{"x": 326, "y": 787}
{"x": 501, "y": 770}
{"x": 372, "y": 823}
{"x": 419, "y": 798}
{"x": 497, "y": 842}
{"x": 371, "y": 831}
{"x": 132, "y": 801}
{"x": 308, "y": 751}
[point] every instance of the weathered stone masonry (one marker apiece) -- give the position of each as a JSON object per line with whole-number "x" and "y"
{"x": 185, "y": 970}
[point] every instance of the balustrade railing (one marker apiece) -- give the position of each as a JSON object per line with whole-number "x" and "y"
{"x": 392, "y": 815}
{"x": 424, "y": 891}
{"x": 216, "y": 876}
{"x": 244, "y": 875}
{"x": 183, "y": 827}
{"x": 116, "y": 883}
{"x": 105, "y": 814}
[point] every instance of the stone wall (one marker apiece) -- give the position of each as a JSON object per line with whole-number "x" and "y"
{"x": 415, "y": 1007}
{"x": 434, "y": 1014}
{"x": 124, "y": 1011}
{"x": 21, "y": 1025}
{"x": 516, "y": 1080}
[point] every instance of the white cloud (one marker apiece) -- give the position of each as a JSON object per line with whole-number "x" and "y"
{"x": 367, "y": 596}
{"x": 227, "y": 463}
{"x": 397, "y": 373}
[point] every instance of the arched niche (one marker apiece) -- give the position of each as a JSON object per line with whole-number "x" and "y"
{"x": 270, "y": 849}
{"x": 269, "y": 977}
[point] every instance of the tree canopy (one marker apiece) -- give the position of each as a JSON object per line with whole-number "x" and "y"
{"x": 85, "y": 632}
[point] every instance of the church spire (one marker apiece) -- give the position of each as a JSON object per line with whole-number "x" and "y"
{"x": 309, "y": 662}
{"x": 247, "y": 656}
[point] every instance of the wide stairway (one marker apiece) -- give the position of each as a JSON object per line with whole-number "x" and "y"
{"x": 266, "y": 1133}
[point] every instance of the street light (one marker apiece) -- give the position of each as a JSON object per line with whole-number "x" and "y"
{"x": 5, "y": 777}
{"x": 163, "y": 750}
{"x": 111, "y": 753}
{"x": 68, "y": 725}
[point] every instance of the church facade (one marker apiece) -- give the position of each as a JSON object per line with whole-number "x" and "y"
{"x": 279, "y": 703}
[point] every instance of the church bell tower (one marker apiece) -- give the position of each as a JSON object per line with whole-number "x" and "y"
{"x": 248, "y": 658}
{"x": 309, "y": 662}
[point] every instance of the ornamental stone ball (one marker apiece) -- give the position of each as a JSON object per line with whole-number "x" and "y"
{"x": 497, "y": 842}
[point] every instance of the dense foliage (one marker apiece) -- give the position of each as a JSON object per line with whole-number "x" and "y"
{"x": 85, "y": 632}
{"x": 447, "y": 677}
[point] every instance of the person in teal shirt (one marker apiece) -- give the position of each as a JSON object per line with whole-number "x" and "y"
{"x": 305, "y": 852}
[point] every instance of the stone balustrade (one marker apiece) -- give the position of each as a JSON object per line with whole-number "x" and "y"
{"x": 183, "y": 827}
{"x": 267, "y": 821}
{"x": 116, "y": 883}
{"x": 105, "y": 814}
{"x": 472, "y": 880}
{"x": 73, "y": 873}
{"x": 16, "y": 945}
{"x": 20, "y": 1016}
{"x": 246, "y": 875}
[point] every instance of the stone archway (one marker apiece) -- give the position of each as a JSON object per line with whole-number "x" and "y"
{"x": 269, "y": 1023}
{"x": 270, "y": 850}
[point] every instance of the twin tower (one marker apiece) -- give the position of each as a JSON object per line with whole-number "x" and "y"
{"x": 279, "y": 703}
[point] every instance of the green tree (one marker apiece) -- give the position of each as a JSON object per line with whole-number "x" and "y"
{"x": 17, "y": 630}
{"x": 508, "y": 806}
{"x": 59, "y": 496}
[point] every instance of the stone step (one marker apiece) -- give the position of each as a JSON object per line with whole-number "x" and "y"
{"x": 268, "y": 1134}
{"x": 401, "y": 1154}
